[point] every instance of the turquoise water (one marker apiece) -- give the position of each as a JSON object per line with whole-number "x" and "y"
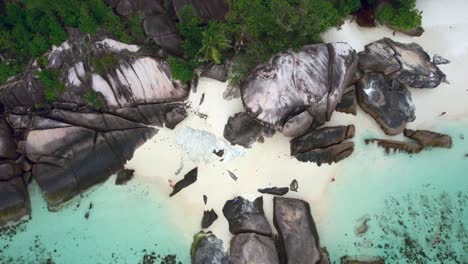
{"x": 126, "y": 224}
{"x": 411, "y": 200}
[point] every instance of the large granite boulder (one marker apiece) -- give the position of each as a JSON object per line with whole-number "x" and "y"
{"x": 252, "y": 248}
{"x": 143, "y": 7}
{"x": 324, "y": 145}
{"x": 348, "y": 103}
{"x": 407, "y": 63}
{"x": 7, "y": 142}
{"x": 206, "y": 9}
{"x": 387, "y": 100}
{"x": 429, "y": 139}
{"x": 164, "y": 32}
{"x": 14, "y": 201}
{"x": 297, "y": 90}
{"x": 208, "y": 249}
{"x": 245, "y": 216}
{"x": 299, "y": 241}
{"x": 243, "y": 130}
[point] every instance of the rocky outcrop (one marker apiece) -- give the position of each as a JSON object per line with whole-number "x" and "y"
{"x": 275, "y": 190}
{"x": 208, "y": 249}
{"x": 437, "y": 60}
{"x": 401, "y": 146}
{"x": 429, "y": 139}
{"x": 252, "y": 248}
{"x": 348, "y": 103}
{"x": 387, "y": 100}
{"x": 215, "y": 71}
{"x": 243, "y": 130}
{"x": 299, "y": 241}
{"x": 245, "y": 216}
{"x": 298, "y": 90}
{"x": 407, "y": 63}
{"x": 325, "y": 145}
{"x": 111, "y": 93}
{"x": 206, "y": 9}
{"x": 189, "y": 179}
{"x": 144, "y": 7}
{"x": 124, "y": 176}
{"x": 208, "y": 218}
{"x": 164, "y": 32}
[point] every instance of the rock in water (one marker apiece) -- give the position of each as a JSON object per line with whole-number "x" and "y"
{"x": 324, "y": 145}
{"x": 429, "y": 138}
{"x": 252, "y": 248}
{"x": 299, "y": 241}
{"x": 294, "y": 185}
{"x": 208, "y": 249}
{"x": 387, "y": 100}
{"x": 124, "y": 176}
{"x": 208, "y": 218}
{"x": 275, "y": 190}
{"x": 243, "y": 130}
{"x": 407, "y": 63}
{"x": 361, "y": 260}
{"x": 437, "y": 59}
{"x": 362, "y": 226}
{"x": 188, "y": 179}
{"x": 395, "y": 145}
{"x": 296, "y": 90}
{"x": 245, "y": 216}
{"x": 348, "y": 103}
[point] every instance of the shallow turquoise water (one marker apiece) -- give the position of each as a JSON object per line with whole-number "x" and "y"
{"x": 410, "y": 200}
{"x": 125, "y": 223}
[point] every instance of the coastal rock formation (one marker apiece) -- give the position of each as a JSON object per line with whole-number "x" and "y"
{"x": 111, "y": 93}
{"x": 206, "y": 9}
{"x": 395, "y": 145}
{"x": 299, "y": 241}
{"x": 348, "y": 103}
{"x": 130, "y": 7}
{"x": 407, "y": 63}
{"x": 297, "y": 90}
{"x": 252, "y": 248}
{"x": 208, "y": 249}
{"x": 243, "y": 130}
{"x": 124, "y": 176}
{"x": 275, "y": 190}
{"x": 361, "y": 260}
{"x": 164, "y": 32}
{"x": 437, "y": 60}
{"x": 215, "y": 71}
{"x": 324, "y": 145}
{"x": 245, "y": 216}
{"x": 188, "y": 179}
{"x": 387, "y": 100}
{"x": 429, "y": 138}
{"x": 208, "y": 218}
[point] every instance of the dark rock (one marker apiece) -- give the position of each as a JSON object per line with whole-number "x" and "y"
{"x": 86, "y": 215}
{"x": 206, "y": 9}
{"x": 144, "y": 7}
{"x": 361, "y": 260}
{"x": 429, "y": 138}
{"x": 321, "y": 138}
{"x": 252, "y": 248}
{"x": 208, "y": 249}
{"x": 7, "y": 142}
{"x": 387, "y": 100}
{"x": 205, "y": 199}
{"x": 188, "y": 179}
{"x": 395, "y": 145}
{"x": 202, "y": 99}
{"x": 9, "y": 170}
{"x": 231, "y": 92}
{"x": 295, "y": 89}
{"x": 437, "y": 60}
{"x": 275, "y": 190}
{"x": 362, "y": 226}
{"x": 232, "y": 175}
{"x": 407, "y": 63}
{"x": 124, "y": 176}
{"x": 243, "y": 130}
{"x": 329, "y": 155}
{"x": 219, "y": 153}
{"x": 299, "y": 241}
{"x": 294, "y": 186}
{"x": 14, "y": 201}
{"x": 215, "y": 71}
{"x": 348, "y": 102}
{"x": 208, "y": 218}
{"x": 164, "y": 33}
{"x": 245, "y": 216}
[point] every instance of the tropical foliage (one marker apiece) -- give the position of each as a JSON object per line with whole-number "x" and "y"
{"x": 403, "y": 15}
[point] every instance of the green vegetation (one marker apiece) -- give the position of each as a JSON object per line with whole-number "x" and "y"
{"x": 102, "y": 65}
{"x": 402, "y": 16}
{"x": 182, "y": 70}
{"x": 94, "y": 99}
{"x": 346, "y": 7}
{"x": 53, "y": 88}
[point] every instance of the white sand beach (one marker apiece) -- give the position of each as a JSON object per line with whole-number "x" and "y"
{"x": 269, "y": 164}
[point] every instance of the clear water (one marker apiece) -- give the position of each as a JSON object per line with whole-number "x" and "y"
{"x": 410, "y": 200}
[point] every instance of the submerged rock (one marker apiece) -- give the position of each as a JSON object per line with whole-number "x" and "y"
{"x": 429, "y": 138}
{"x": 245, "y": 216}
{"x": 407, "y": 63}
{"x": 361, "y": 260}
{"x": 348, "y": 103}
{"x": 208, "y": 218}
{"x": 299, "y": 241}
{"x": 189, "y": 178}
{"x": 208, "y": 249}
{"x": 242, "y": 130}
{"x": 387, "y": 100}
{"x": 437, "y": 60}
{"x": 124, "y": 176}
{"x": 14, "y": 201}
{"x": 252, "y": 248}
{"x": 362, "y": 226}
{"x": 275, "y": 190}
{"x": 297, "y": 90}
{"x": 395, "y": 145}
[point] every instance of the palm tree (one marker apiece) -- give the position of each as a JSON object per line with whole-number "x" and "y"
{"x": 214, "y": 42}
